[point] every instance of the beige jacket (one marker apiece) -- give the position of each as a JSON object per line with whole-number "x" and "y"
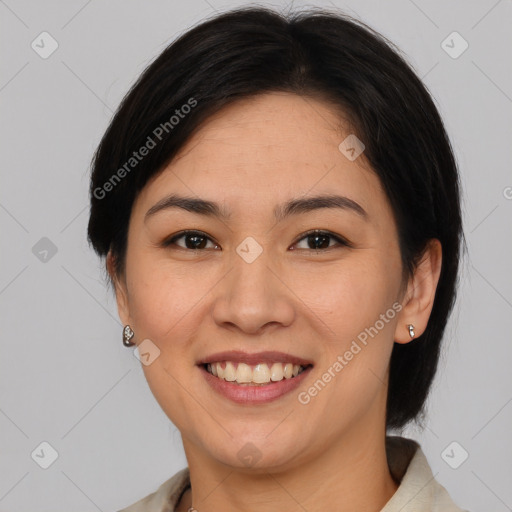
{"x": 418, "y": 490}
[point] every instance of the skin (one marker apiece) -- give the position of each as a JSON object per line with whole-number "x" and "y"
{"x": 252, "y": 155}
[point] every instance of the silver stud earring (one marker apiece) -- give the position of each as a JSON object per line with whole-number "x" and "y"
{"x": 411, "y": 330}
{"x": 127, "y": 336}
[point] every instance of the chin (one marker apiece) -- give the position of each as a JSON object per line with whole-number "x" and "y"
{"x": 258, "y": 455}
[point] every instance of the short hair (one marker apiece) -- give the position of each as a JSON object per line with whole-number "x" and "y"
{"x": 320, "y": 54}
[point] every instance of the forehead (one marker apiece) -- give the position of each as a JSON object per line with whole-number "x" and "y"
{"x": 283, "y": 130}
{"x": 265, "y": 150}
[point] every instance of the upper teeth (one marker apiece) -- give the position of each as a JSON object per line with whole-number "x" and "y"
{"x": 260, "y": 373}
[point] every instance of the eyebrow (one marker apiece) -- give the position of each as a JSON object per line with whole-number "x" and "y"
{"x": 281, "y": 212}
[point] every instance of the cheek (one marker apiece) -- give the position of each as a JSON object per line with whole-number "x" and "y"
{"x": 161, "y": 297}
{"x": 355, "y": 302}
{"x": 164, "y": 305}
{"x": 348, "y": 297}
{"x": 355, "y": 356}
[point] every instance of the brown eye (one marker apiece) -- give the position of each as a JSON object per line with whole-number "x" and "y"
{"x": 193, "y": 240}
{"x": 317, "y": 239}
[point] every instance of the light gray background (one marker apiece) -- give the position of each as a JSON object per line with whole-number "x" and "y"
{"x": 65, "y": 376}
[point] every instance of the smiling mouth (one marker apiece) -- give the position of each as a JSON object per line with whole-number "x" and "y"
{"x": 260, "y": 374}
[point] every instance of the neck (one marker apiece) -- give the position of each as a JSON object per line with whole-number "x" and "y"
{"x": 351, "y": 474}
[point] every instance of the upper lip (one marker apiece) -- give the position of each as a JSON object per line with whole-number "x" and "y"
{"x": 254, "y": 358}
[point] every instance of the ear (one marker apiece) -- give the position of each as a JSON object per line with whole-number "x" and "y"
{"x": 419, "y": 297}
{"x": 120, "y": 289}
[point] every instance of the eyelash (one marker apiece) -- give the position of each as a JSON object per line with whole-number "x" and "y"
{"x": 342, "y": 242}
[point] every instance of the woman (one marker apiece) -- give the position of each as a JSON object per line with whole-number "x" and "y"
{"x": 278, "y": 204}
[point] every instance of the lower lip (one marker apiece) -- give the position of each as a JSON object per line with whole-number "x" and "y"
{"x": 246, "y": 394}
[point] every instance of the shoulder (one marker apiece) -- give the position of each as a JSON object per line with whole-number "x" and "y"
{"x": 418, "y": 490}
{"x": 165, "y": 497}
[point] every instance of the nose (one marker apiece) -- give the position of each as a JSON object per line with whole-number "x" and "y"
{"x": 253, "y": 297}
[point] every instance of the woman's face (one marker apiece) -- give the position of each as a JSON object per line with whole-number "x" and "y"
{"x": 256, "y": 283}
